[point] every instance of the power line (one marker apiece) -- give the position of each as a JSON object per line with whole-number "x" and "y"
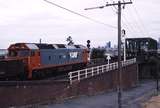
{"x": 133, "y": 26}
{"x": 138, "y": 16}
{"x": 124, "y": 25}
{"x": 125, "y": 21}
{"x": 136, "y": 25}
{"x": 114, "y": 9}
{"x": 76, "y": 13}
{"x": 127, "y": 25}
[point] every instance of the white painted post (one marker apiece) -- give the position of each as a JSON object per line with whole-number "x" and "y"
{"x": 70, "y": 77}
{"x": 114, "y": 65}
{"x": 122, "y": 63}
{"x": 102, "y": 69}
{"x": 92, "y": 72}
{"x": 108, "y": 58}
{"x": 124, "y": 49}
{"x": 78, "y": 75}
{"x": 107, "y": 67}
{"x": 110, "y": 68}
{"x": 86, "y": 73}
{"x": 97, "y": 69}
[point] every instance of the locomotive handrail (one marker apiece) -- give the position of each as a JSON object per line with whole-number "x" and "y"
{"x": 93, "y": 71}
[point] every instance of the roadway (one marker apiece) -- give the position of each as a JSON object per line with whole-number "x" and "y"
{"x": 132, "y": 98}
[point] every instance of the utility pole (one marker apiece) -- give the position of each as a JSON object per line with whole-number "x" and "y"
{"x": 119, "y": 57}
{"x": 119, "y": 4}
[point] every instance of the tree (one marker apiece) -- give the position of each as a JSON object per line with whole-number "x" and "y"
{"x": 70, "y": 41}
{"x": 97, "y": 53}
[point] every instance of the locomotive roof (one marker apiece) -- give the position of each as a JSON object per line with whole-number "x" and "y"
{"x": 36, "y": 46}
{"x": 57, "y": 46}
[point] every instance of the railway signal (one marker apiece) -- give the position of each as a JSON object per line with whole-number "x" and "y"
{"x": 88, "y": 44}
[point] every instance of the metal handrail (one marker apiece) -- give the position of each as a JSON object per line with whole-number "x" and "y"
{"x": 93, "y": 71}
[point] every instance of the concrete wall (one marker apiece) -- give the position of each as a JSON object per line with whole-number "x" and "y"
{"x": 28, "y": 93}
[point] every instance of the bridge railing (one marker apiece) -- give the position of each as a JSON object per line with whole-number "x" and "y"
{"x": 93, "y": 71}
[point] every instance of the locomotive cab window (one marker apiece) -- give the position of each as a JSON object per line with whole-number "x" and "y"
{"x": 12, "y": 53}
{"x": 20, "y": 53}
{"x": 23, "y": 53}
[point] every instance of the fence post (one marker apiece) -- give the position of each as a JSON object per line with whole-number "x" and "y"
{"x": 103, "y": 69}
{"x": 78, "y": 75}
{"x": 117, "y": 65}
{"x": 86, "y": 73}
{"x": 107, "y": 68}
{"x": 114, "y": 65}
{"x": 111, "y": 66}
{"x": 97, "y": 70}
{"x": 70, "y": 77}
{"x": 92, "y": 71}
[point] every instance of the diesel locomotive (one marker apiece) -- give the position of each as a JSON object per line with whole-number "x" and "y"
{"x": 33, "y": 60}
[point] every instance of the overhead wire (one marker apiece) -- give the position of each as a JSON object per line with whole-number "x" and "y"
{"x": 125, "y": 24}
{"x": 139, "y": 30}
{"x": 114, "y": 9}
{"x": 139, "y": 25}
{"x": 76, "y": 13}
{"x": 135, "y": 27}
{"x": 140, "y": 20}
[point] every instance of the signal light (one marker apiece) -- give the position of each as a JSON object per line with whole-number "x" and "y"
{"x": 88, "y": 44}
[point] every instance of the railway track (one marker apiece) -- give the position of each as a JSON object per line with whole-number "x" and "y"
{"x": 47, "y": 80}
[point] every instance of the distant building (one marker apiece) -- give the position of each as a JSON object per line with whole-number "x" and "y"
{"x": 108, "y": 45}
{"x": 115, "y": 47}
{"x": 158, "y": 43}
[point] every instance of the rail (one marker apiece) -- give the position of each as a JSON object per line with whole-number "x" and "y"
{"x": 93, "y": 71}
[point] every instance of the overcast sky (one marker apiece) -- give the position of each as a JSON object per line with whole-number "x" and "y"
{"x": 30, "y": 20}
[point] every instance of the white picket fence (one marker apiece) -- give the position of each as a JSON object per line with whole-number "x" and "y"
{"x": 90, "y": 72}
